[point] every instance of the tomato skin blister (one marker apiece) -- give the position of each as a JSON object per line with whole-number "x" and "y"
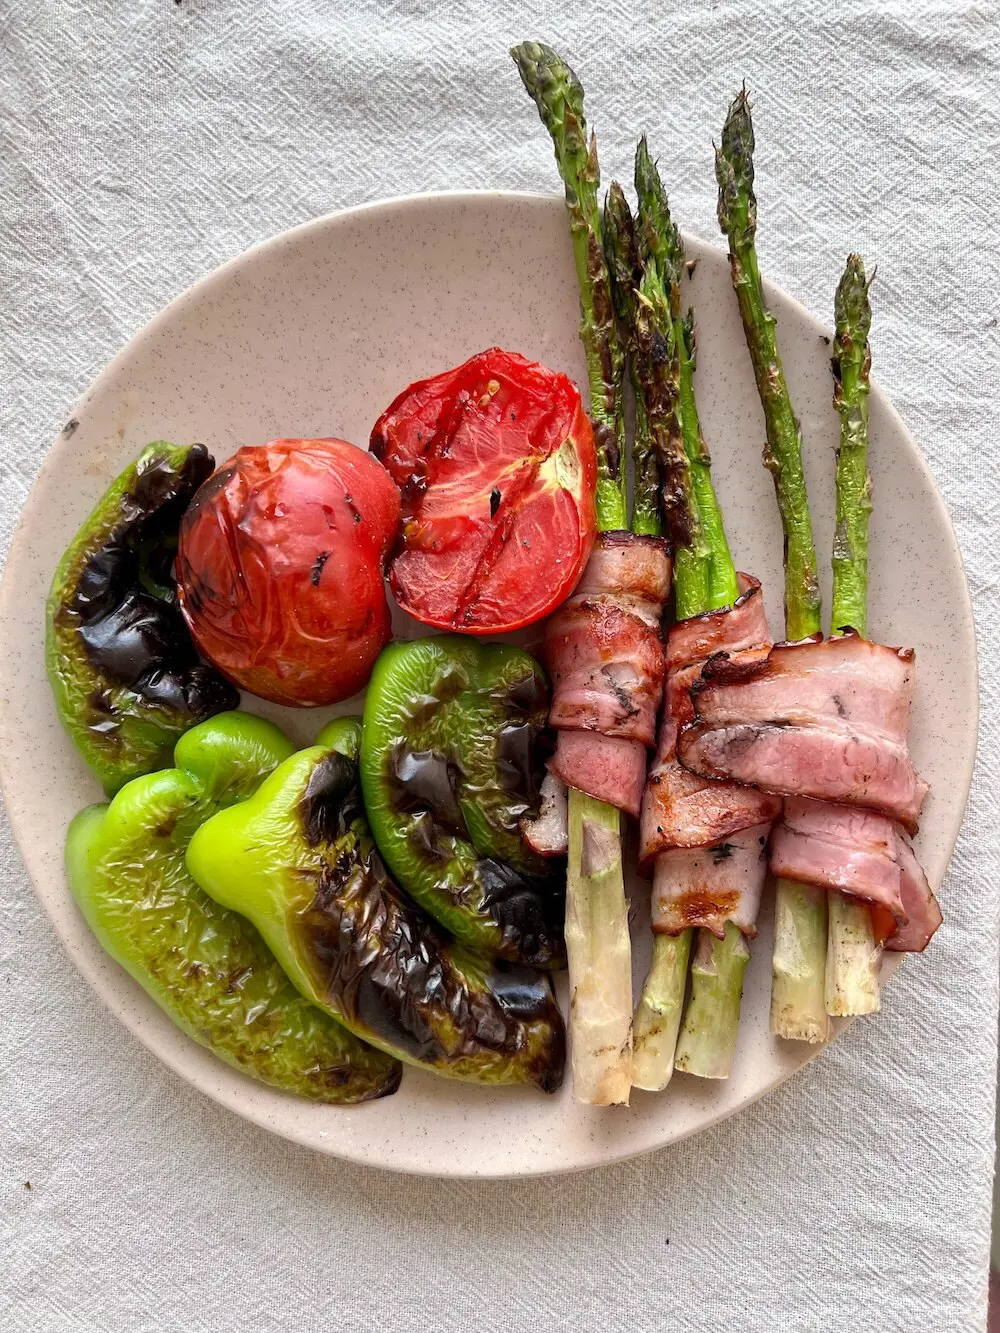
{"x": 497, "y": 470}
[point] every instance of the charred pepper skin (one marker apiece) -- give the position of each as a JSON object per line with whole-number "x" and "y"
{"x": 452, "y": 755}
{"x": 207, "y": 968}
{"x": 125, "y": 675}
{"x": 298, "y": 860}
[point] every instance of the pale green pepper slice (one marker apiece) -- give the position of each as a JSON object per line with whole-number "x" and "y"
{"x": 208, "y": 968}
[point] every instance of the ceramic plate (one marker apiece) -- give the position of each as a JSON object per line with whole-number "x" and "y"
{"x": 314, "y": 333}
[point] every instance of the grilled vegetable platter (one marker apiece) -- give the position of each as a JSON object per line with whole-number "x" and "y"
{"x": 585, "y": 680}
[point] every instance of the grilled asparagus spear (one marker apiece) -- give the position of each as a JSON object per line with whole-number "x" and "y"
{"x": 798, "y": 1006}
{"x": 852, "y": 958}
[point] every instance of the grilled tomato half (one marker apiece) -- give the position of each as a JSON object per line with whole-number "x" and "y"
{"x": 496, "y": 465}
{"x": 280, "y": 568}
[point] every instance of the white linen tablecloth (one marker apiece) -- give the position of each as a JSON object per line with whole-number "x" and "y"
{"x": 146, "y": 142}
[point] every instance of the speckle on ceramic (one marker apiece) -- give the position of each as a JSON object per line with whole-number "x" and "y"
{"x": 313, "y": 333}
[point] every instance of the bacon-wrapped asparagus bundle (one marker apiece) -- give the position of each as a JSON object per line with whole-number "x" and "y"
{"x": 703, "y": 841}
{"x": 856, "y": 921}
{"x": 799, "y": 958}
{"x": 824, "y": 721}
{"x": 605, "y": 655}
{"x": 603, "y": 648}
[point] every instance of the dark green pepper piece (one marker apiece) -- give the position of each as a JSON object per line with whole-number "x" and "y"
{"x": 125, "y": 675}
{"x": 452, "y": 756}
{"x": 206, "y": 967}
{"x": 298, "y": 859}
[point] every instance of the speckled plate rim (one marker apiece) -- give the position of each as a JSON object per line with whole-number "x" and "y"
{"x": 134, "y": 1020}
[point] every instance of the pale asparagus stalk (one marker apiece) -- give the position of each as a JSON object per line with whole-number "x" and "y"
{"x": 598, "y": 944}
{"x": 798, "y": 997}
{"x": 852, "y": 959}
{"x": 658, "y": 1014}
{"x": 707, "y": 1041}
{"x": 599, "y": 949}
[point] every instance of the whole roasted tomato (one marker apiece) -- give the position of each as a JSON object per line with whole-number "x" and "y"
{"x": 496, "y": 464}
{"x": 280, "y": 568}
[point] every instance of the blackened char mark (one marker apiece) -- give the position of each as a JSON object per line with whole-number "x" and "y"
{"x": 527, "y": 995}
{"x": 722, "y": 669}
{"x": 522, "y": 991}
{"x": 527, "y": 908}
{"x": 608, "y": 448}
{"x": 413, "y": 489}
{"x": 425, "y": 781}
{"x": 521, "y": 761}
{"x": 389, "y": 967}
{"x": 321, "y": 808}
{"x": 122, "y": 605}
{"x": 370, "y": 961}
{"x": 317, "y": 568}
{"x": 215, "y": 484}
{"x": 133, "y": 637}
{"x": 530, "y": 694}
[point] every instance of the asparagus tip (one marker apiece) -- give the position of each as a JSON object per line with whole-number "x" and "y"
{"x": 547, "y": 78}
{"x": 643, "y": 161}
{"x": 851, "y": 366}
{"x": 734, "y": 169}
{"x": 622, "y": 257}
{"x": 852, "y": 308}
{"x": 656, "y": 228}
{"x": 619, "y": 230}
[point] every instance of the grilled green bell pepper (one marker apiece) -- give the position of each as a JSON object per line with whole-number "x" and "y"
{"x": 126, "y": 678}
{"x": 206, "y": 967}
{"x": 452, "y": 757}
{"x": 297, "y": 858}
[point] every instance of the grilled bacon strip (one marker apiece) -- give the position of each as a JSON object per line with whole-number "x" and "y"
{"x": 825, "y": 719}
{"x": 708, "y": 886}
{"x": 865, "y": 855}
{"x": 704, "y": 840}
{"x": 605, "y": 655}
{"x": 680, "y": 808}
